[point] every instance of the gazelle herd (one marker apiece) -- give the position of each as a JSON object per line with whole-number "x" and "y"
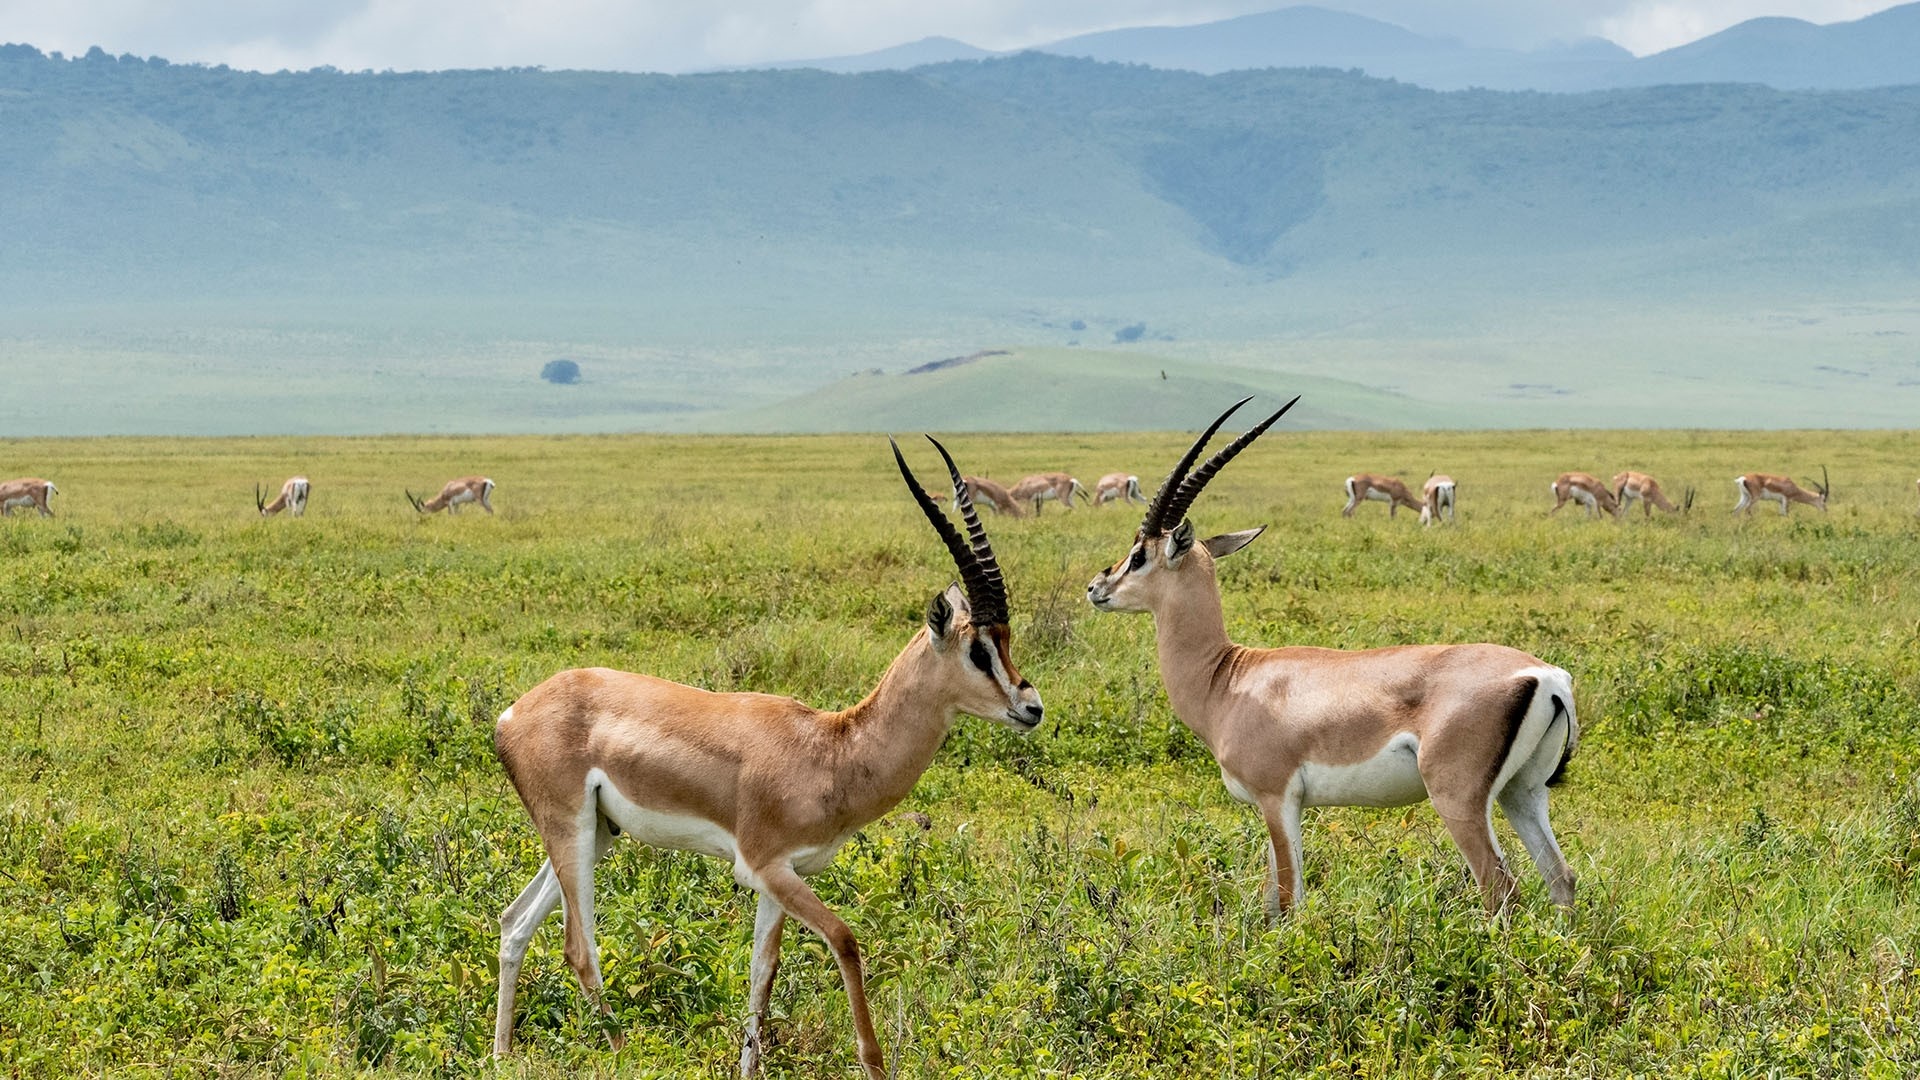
{"x": 776, "y": 788}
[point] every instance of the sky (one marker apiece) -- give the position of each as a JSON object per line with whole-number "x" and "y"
{"x": 693, "y": 35}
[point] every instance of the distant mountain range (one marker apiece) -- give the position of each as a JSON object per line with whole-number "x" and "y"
{"x": 1789, "y": 54}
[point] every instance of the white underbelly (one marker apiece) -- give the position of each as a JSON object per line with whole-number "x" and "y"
{"x": 1376, "y": 495}
{"x": 1388, "y": 778}
{"x": 19, "y": 500}
{"x": 677, "y": 832}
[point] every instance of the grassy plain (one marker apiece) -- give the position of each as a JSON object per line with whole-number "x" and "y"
{"x": 250, "y": 822}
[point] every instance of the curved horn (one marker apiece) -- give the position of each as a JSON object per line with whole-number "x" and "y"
{"x": 415, "y": 502}
{"x": 983, "y": 592}
{"x": 991, "y": 606}
{"x": 259, "y": 499}
{"x": 1156, "y": 520}
{"x": 1191, "y": 487}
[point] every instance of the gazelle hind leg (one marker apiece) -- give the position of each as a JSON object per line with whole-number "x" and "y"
{"x": 768, "y": 921}
{"x": 517, "y": 925}
{"x": 573, "y": 867}
{"x": 1526, "y": 810}
{"x": 1474, "y": 837}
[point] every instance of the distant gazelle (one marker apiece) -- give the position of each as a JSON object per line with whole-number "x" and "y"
{"x": 982, "y": 490}
{"x": 1586, "y": 490}
{"x": 27, "y": 491}
{"x": 293, "y": 498}
{"x": 1436, "y": 498}
{"x": 1361, "y": 487}
{"x": 1463, "y": 726}
{"x": 762, "y": 781}
{"x": 1754, "y": 487}
{"x": 467, "y": 489}
{"x": 1118, "y": 485}
{"x": 1628, "y": 486}
{"x": 1041, "y": 487}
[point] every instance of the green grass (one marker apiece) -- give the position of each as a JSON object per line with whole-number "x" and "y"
{"x": 250, "y": 822}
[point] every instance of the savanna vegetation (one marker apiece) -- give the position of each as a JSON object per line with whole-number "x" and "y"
{"x": 250, "y": 822}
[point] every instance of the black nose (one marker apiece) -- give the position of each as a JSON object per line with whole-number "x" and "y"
{"x": 1034, "y": 711}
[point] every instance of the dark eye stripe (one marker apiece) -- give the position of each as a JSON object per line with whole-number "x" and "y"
{"x": 1139, "y": 559}
{"x": 978, "y": 654}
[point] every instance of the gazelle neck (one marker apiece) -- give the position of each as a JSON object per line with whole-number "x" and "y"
{"x": 1190, "y": 633}
{"x": 890, "y": 737}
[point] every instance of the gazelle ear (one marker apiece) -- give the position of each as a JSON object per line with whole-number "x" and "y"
{"x": 1179, "y": 542}
{"x": 1227, "y": 543}
{"x": 942, "y": 609}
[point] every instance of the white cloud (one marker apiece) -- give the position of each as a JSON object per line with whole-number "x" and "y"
{"x": 684, "y": 35}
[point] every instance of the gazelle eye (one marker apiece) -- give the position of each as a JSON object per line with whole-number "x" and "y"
{"x": 978, "y": 654}
{"x": 1139, "y": 559}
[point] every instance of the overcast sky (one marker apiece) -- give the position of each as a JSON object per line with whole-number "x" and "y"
{"x": 688, "y": 35}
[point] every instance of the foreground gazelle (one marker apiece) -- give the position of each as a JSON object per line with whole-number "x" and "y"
{"x": 1461, "y": 725}
{"x": 1754, "y": 487}
{"x": 1361, "y": 487}
{"x": 1118, "y": 485}
{"x": 27, "y": 491}
{"x": 1040, "y": 487}
{"x": 293, "y": 498}
{"x": 467, "y": 489}
{"x": 1628, "y": 486}
{"x": 1436, "y": 498}
{"x": 768, "y": 784}
{"x": 1587, "y": 490}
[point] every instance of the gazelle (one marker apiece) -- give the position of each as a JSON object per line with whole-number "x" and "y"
{"x": 765, "y": 782}
{"x": 1628, "y": 486}
{"x": 1118, "y": 485}
{"x": 27, "y": 491}
{"x": 1037, "y": 489}
{"x": 1361, "y": 487}
{"x": 1436, "y": 498}
{"x": 981, "y": 489}
{"x": 1464, "y": 726}
{"x": 293, "y": 498}
{"x": 467, "y": 489}
{"x": 1756, "y": 486}
{"x": 1586, "y": 490}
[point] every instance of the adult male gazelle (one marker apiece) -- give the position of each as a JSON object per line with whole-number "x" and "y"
{"x": 980, "y": 489}
{"x": 1464, "y": 726}
{"x": 1586, "y": 490}
{"x": 765, "y": 782}
{"x": 27, "y": 491}
{"x": 1628, "y": 486}
{"x": 1040, "y": 487}
{"x": 1118, "y": 485}
{"x": 293, "y": 498}
{"x": 1361, "y": 487}
{"x": 1436, "y": 498}
{"x": 1781, "y": 489}
{"x": 467, "y": 489}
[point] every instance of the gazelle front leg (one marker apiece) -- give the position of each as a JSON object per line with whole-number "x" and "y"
{"x": 768, "y": 922}
{"x": 1284, "y": 881}
{"x": 784, "y": 885}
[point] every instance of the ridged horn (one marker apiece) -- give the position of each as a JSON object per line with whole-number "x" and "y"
{"x": 1156, "y": 520}
{"x": 985, "y": 593}
{"x": 1191, "y": 485}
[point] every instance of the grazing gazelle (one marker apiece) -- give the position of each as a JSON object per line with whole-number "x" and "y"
{"x": 1463, "y": 726}
{"x": 1756, "y": 486}
{"x": 27, "y": 491}
{"x": 1436, "y": 498}
{"x": 762, "y": 781}
{"x": 980, "y": 489}
{"x": 467, "y": 489}
{"x": 1586, "y": 490}
{"x": 1628, "y": 486}
{"x": 1387, "y": 489}
{"x": 1037, "y": 489}
{"x": 1118, "y": 485}
{"x": 293, "y": 498}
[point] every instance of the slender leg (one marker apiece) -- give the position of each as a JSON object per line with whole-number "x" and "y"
{"x": 800, "y": 902}
{"x": 768, "y": 921}
{"x": 1475, "y": 839}
{"x": 1284, "y": 882}
{"x": 517, "y": 925}
{"x": 1526, "y": 810}
{"x": 573, "y": 866}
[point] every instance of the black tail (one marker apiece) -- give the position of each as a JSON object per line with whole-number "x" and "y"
{"x": 1566, "y": 755}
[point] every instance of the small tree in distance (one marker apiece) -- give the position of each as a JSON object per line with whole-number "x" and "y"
{"x": 561, "y": 372}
